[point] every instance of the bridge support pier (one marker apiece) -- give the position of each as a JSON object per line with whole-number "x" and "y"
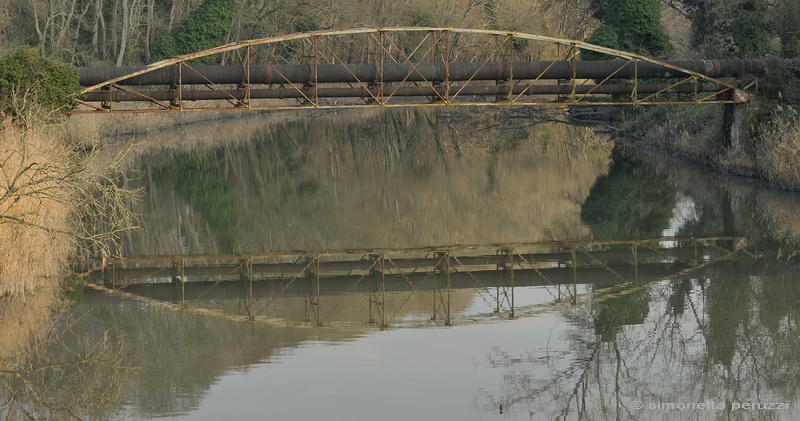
{"x": 733, "y": 124}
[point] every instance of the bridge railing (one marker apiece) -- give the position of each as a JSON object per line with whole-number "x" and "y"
{"x": 392, "y": 67}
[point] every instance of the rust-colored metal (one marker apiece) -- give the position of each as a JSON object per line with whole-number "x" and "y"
{"x": 394, "y": 74}
{"x": 316, "y": 275}
{"x": 411, "y": 91}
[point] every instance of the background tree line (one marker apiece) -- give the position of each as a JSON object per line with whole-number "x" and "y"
{"x": 719, "y": 28}
{"x": 122, "y": 32}
{"x": 91, "y": 32}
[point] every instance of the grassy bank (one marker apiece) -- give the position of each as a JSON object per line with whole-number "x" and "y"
{"x": 48, "y": 201}
{"x": 36, "y": 201}
{"x": 768, "y": 151}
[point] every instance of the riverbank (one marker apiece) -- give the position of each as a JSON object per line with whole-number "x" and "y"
{"x": 36, "y": 202}
{"x": 769, "y": 150}
{"x": 35, "y": 239}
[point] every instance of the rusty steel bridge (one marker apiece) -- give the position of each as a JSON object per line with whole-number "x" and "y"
{"x": 319, "y": 277}
{"x": 409, "y": 66}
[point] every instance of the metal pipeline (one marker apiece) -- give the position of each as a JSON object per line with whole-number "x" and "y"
{"x": 403, "y": 91}
{"x": 407, "y": 72}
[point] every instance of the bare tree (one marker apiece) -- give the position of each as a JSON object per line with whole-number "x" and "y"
{"x": 54, "y": 379}
{"x": 54, "y": 199}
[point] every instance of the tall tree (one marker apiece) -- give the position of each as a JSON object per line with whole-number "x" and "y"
{"x": 788, "y": 28}
{"x": 734, "y": 28}
{"x": 630, "y": 25}
{"x": 205, "y": 27}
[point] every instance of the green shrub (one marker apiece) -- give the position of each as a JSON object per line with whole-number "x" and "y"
{"x": 29, "y": 82}
{"x": 630, "y": 25}
{"x": 204, "y": 28}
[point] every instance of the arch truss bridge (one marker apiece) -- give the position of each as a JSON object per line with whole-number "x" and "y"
{"x": 400, "y": 67}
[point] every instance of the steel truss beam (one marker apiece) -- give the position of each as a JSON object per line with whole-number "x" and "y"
{"x": 407, "y": 66}
{"x": 493, "y": 271}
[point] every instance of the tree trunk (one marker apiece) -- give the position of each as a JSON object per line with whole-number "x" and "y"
{"x": 41, "y": 32}
{"x": 126, "y": 24}
{"x": 173, "y": 11}
{"x": 114, "y": 27}
{"x": 103, "y": 34}
{"x": 98, "y": 16}
{"x": 149, "y": 29}
{"x": 66, "y": 18}
{"x": 51, "y": 15}
{"x": 76, "y": 48}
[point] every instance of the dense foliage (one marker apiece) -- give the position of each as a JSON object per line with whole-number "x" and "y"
{"x": 725, "y": 30}
{"x": 629, "y": 25}
{"x": 630, "y": 201}
{"x": 204, "y": 28}
{"x": 29, "y": 82}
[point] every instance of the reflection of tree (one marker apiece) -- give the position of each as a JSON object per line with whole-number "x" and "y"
{"x": 728, "y": 311}
{"x": 179, "y": 355}
{"x": 631, "y": 201}
{"x": 593, "y": 385}
{"x": 61, "y": 378}
{"x": 720, "y": 339}
{"x": 614, "y": 313}
{"x": 384, "y": 179}
{"x": 200, "y": 181}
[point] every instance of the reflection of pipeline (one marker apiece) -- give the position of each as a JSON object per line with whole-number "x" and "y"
{"x": 344, "y": 285}
{"x": 422, "y": 72}
{"x": 200, "y": 271}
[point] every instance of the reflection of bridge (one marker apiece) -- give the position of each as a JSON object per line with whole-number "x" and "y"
{"x": 496, "y": 269}
{"x": 407, "y": 67}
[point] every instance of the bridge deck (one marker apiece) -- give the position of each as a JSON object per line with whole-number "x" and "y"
{"x": 402, "y": 262}
{"x": 402, "y": 67}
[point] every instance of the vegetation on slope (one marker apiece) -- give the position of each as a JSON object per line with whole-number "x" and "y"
{"x": 720, "y": 29}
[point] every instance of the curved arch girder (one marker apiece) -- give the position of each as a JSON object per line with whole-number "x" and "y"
{"x": 421, "y": 72}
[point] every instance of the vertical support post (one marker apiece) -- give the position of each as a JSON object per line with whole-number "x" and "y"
{"x": 449, "y": 281}
{"x": 183, "y": 283}
{"x": 497, "y": 299}
{"x": 442, "y": 298}
{"x": 635, "y": 251}
{"x": 106, "y": 104}
{"x": 312, "y": 302}
{"x": 511, "y": 274}
{"x": 315, "y": 88}
{"x": 247, "y": 94}
{"x": 574, "y": 276}
{"x": 180, "y": 85}
{"x": 250, "y": 312}
{"x": 381, "y": 83}
{"x": 435, "y": 305}
{"x": 447, "y": 67}
{"x": 382, "y": 311}
{"x": 573, "y": 60}
{"x": 317, "y": 289}
{"x": 635, "y": 93}
{"x": 377, "y": 300}
{"x": 510, "y": 41}
{"x": 508, "y": 273}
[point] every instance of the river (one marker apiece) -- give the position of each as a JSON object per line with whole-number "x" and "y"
{"x": 488, "y": 268}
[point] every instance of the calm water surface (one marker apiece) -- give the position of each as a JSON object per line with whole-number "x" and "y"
{"x": 702, "y": 324}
